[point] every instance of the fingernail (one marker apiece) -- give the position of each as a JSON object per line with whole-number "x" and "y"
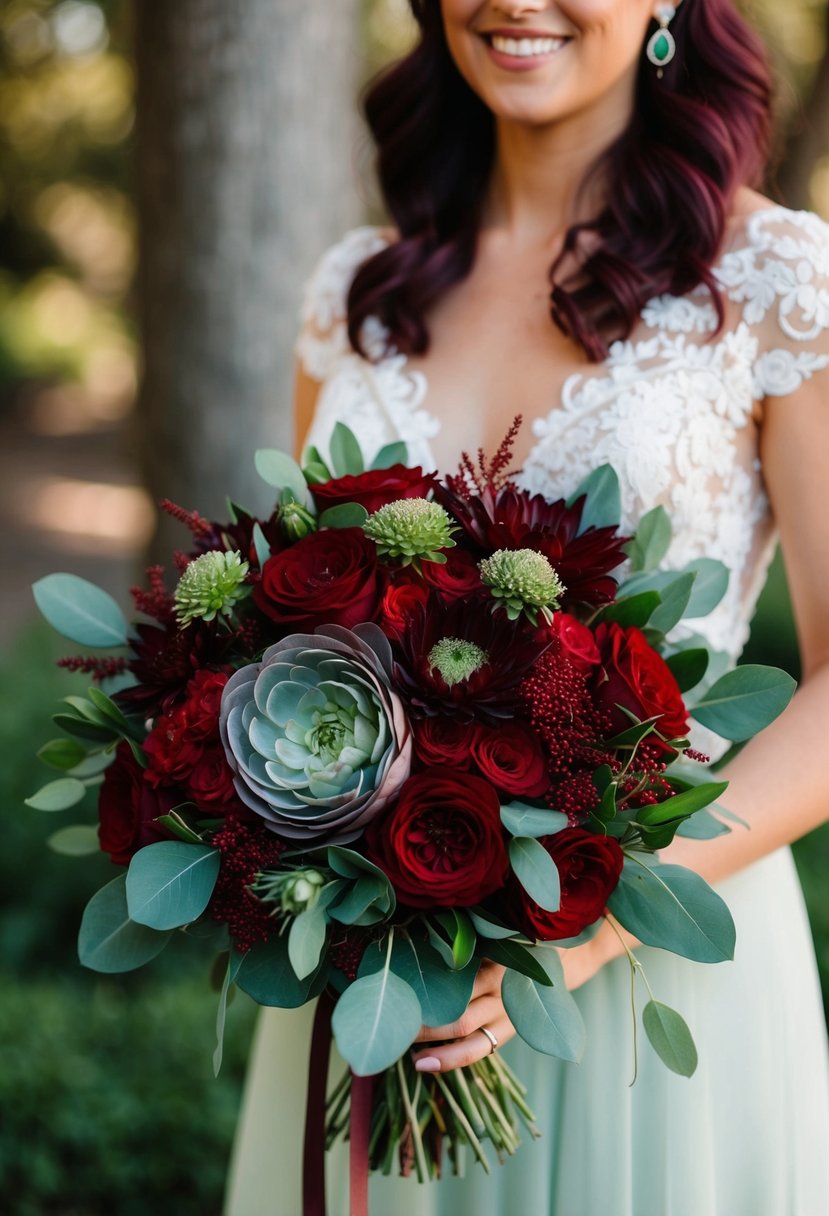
{"x": 428, "y": 1064}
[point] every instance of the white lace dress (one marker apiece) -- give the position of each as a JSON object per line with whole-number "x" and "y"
{"x": 677, "y": 417}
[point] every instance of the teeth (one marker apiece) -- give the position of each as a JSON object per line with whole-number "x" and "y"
{"x": 526, "y": 46}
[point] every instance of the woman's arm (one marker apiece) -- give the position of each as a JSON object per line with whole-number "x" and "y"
{"x": 306, "y": 390}
{"x": 776, "y": 783}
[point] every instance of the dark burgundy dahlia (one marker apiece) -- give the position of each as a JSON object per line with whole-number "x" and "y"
{"x": 515, "y": 519}
{"x": 466, "y": 663}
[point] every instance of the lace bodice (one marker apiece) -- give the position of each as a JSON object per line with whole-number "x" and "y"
{"x": 677, "y": 415}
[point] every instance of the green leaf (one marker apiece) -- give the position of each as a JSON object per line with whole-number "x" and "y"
{"x": 108, "y": 940}
{"x": 346, "y": 454}
{"x": 81, "y": 611}
{"x": 634, "y": 734}
{"x": 688, "y": 667}
{"x": 680, "y": 806}
{"x": 57, "y": 795}
{"x": 675, "y": 598}
{"x": 278, "y": 469}
{"x": 84, "y": 729}
{"x": 344, "y": 515}
{"x": 673, "y": 908}
{"x": 62, "y": 754}
{"x": 179, "y": 827}
{"x": 702, "y": 826}
{"x": 392, "y": 453}
{"x": 375, "y": 1020}
{"x": 604, "y": 501}
{"x": 512, "y": 954}
{"x": 316, "y": 474}
{"x": 461, "y": 934}
{"x": 536, "y": 871}
{"x": 709, "y": 587}
{"x": 306, "y": 939}
{"x": 545, "y": 1015}
{"x": 260, "y": 545}
{"x": 92, "y": 765}
{"x": 265, "y": 974}
{"x": 110, "y": 711}
{"x": 485, "y": 926}
{"x": 632, "y": 610}
{"x": 169, "y": 884}
{"x": 443, "y": 993}
{"x": 744, "y": 701}
{"x": 234, "y": 962}
{"x": 523, "y": 820}
{"x": 652, "y": 540}
{"x": 670, "y": 1037}
{"x": 77, "y": 840}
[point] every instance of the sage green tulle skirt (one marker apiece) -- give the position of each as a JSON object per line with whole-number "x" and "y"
{"x": 747, "y": 1135}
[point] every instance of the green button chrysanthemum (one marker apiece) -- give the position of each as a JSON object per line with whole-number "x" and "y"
{"x": 456, "y": 659}
{"x": 522, "y": 581}
{"x": 211, "y": 584}
{"x": 412, "y": 529}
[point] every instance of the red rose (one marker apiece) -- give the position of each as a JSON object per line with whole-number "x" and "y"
{"x": 127, "y": 808}
{"x": 577, "y": 642}
{"x": 172, "y": 749}
{"x": 457, "y": 579}
{"x": 204, "y": 696}
{"x": 443, "y": 843}
{"x": 589, "y": 867}
{"x": 439, "y": 741}
{"x": 329, "y": 577}
{"x": 375, "y": 488}
{"x": 510, "y": 756}
{"x": 211, "y": 782}
{"x": 399, "y": 603}
{"x": 640, "y": 679}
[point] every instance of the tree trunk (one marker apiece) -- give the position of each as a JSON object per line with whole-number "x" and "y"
{"x": 247, "y": 126}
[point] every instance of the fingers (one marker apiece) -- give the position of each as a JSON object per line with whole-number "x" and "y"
{"x": 478, "y": 1012}
{"x": 462, "y": 1051}
{"x": 488, "y": 978}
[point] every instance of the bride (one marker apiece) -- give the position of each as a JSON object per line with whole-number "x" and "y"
{"x": 577, "y": 240}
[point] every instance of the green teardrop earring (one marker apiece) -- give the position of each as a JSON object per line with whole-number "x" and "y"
{"x": 661, "y": 46}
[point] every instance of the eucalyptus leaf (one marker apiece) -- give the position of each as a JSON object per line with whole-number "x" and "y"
{"x": 57, "y": 795}
{"x": 265, "y": 974}
{"x": 675, "y": 598}
{"x": 391, "y": 454}
{"x": 485, "y": 926}
{"x": 346, "y": 454}
{"x": 375, "y": 1020}
{"x": 62, "y": 754}
{"x": 306, "y": 939}
{"x": 522, "y": 820}
{"x": 652, "y": 540}
{"x": 673, "y": 908}
{"x": 670, "y": 1037}
{"x": 520, "y": 958}
{"x": 443, "y": 993}
{"x": 234, "y": 962}
{"x": 744, "y": 701}
{"x": 352, "y": 906}
{"x": 77, "y": 840}
{"x": 545, "y": 1015}
{"x": 92, "y": 765}
{"x": 260, "y": 545}
{"x": 169, "y": 884}
{"x": 603, "y": 507}
{"x": 79, "y": 610}
{"x": 632, "y": 609}
{"x": 710, "y": 585}
{"x": 278, "y": 469}
{"x": 703, "y": 826}
{"x": 108, "y": 940}
{"x": 688, "y": 667}
{"x": 344, "y": 515}
{"x": 316, "y": 474}
{"x": 536, "y": 871}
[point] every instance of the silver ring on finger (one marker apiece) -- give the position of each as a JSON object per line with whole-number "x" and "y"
{"x": 491, "y": 1037}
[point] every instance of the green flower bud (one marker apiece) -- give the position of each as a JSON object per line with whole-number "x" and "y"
{"x": 292, "y": 892}
{"x": 296, "y": 521}
{"x": 456, "y": 659}
{"x": 211, "y": 584}
{"x": 522, "y": 581}
{"x": 412, "y": 529}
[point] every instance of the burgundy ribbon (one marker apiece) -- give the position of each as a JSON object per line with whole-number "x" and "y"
{"x": 313, "y": 1157}
{"x": 359, "y": 1126}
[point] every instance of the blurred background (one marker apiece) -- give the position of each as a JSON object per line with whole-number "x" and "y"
{"x": 202, "y": 126}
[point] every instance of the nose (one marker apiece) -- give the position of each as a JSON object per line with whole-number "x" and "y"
{"x": 518, "y": 10}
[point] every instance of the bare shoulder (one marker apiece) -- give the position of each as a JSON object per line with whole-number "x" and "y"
{"x": 388, "y": 233}
{"x": 747, "y": 202}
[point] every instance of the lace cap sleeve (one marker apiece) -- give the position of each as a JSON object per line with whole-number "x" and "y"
{"x": 322, "y": 336}
{"x": 781, "y": 281}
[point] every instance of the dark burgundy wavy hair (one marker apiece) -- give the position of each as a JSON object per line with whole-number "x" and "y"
{"x": 695, "y": 136}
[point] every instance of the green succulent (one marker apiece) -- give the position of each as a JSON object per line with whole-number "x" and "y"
{"x": 210, "y": 585}
{"x": 411, "y": 529}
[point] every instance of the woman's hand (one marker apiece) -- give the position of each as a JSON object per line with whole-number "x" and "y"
{"x": 486, "y": 1008}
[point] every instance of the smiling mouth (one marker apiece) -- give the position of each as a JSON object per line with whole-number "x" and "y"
{"x": 524, "y": 46}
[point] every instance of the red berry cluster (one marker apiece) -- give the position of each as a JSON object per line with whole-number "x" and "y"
{"x": 246, "y": 849}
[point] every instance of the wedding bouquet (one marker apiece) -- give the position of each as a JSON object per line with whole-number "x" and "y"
{"x": 401, "y": 726}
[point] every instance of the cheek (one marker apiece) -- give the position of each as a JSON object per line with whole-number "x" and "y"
{"x": 611, "y": 33}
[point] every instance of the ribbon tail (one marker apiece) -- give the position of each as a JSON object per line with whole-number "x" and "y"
{"x": 313, "y": 1158}
{"x": 362, "y": 1089}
